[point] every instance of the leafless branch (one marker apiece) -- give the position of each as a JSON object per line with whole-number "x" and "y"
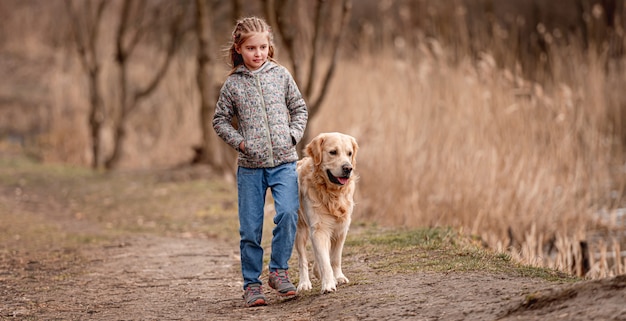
{"x": 86, "y": 41}
{"x": 128, "y": 104}
{"x": 345, "y": 18}
{"x": 123, "y": 51}
{"x": 315, "y": 47}
{"x": 288, "y": 34}
{"x": 85, "y": 29}
{"x": 174, "y": 40}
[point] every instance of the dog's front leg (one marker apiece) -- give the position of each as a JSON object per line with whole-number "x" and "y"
{"x": 321, "y": 249}
{"x": 335, "y": 258}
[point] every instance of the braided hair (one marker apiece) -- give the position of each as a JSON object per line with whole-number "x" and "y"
{"x": 243, "y": 30}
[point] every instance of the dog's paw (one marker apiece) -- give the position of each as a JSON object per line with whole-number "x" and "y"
{"x": 304, "y": 286}
{"x": 342, "y": 279}
{"x": 328, "y": 287}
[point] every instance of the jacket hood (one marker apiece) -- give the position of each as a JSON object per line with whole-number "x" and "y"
{"x": 242, "y": 69}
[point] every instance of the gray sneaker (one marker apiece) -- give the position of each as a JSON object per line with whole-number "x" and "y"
{"x": 279, "y": 281}
{"x": 254, "y": 295}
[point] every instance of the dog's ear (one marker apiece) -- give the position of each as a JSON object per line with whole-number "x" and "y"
{"x": 314, "y": 149}
{"x": 355, "y": 148}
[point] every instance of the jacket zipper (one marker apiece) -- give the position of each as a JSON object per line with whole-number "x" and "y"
{"x": 265, "y": 118}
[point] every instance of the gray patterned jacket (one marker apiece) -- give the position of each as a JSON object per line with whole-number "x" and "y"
{"x": 271, "y": 115}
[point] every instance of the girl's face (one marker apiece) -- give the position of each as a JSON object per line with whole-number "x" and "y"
{"x": 254, "y": 50}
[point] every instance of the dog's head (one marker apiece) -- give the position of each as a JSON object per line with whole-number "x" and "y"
{"x": 334, "y": 154}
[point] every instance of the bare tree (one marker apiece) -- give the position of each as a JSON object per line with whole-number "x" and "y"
{"x": 130, "y": 31}
{"x": 278, "y": 13}
{"x": 211, "y": 151}
{"x": 85, "y": 18}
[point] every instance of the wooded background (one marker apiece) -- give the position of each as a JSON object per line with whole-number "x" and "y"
{"x": 127, "y": 49}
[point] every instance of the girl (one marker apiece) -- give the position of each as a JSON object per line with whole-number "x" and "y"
{"x": 272, "y": 116}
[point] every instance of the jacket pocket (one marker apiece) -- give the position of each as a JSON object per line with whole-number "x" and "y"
{"x": 256, "y": 149}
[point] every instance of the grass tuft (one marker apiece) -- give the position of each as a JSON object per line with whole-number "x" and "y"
{"x": 437, "y": 250}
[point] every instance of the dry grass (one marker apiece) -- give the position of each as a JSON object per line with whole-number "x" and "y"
{"x": 523, "y": 167}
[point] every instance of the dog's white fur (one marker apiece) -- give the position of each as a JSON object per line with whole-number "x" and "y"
{"x": 327, "y": 183}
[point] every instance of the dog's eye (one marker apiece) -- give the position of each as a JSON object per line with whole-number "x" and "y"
{"x": 333, "y": 152}
{"x": 350, "y": 154}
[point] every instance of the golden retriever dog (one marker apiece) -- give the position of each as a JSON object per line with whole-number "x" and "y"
{"x": 327, "y": 182}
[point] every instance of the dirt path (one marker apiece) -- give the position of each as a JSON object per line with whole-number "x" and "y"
{"x": 153, "y": 278}
{"x": 158, "y": 278}
{"x": 190, "y": 276}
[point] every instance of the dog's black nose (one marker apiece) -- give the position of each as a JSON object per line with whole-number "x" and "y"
{"x": 347, "y": 169}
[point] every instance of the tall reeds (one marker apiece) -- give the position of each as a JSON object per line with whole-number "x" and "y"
{"x": 523, "y": 166}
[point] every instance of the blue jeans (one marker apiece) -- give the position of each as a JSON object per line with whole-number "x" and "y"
{"x": 252, "y": 183}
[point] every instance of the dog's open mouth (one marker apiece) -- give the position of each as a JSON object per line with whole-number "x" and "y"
{"x": 337, "y": 180}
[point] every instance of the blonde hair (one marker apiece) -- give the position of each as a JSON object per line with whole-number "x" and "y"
{"x": 243, "y": 30}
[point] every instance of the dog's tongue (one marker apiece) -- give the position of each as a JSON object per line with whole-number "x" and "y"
{"x": 343, "y": 180}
